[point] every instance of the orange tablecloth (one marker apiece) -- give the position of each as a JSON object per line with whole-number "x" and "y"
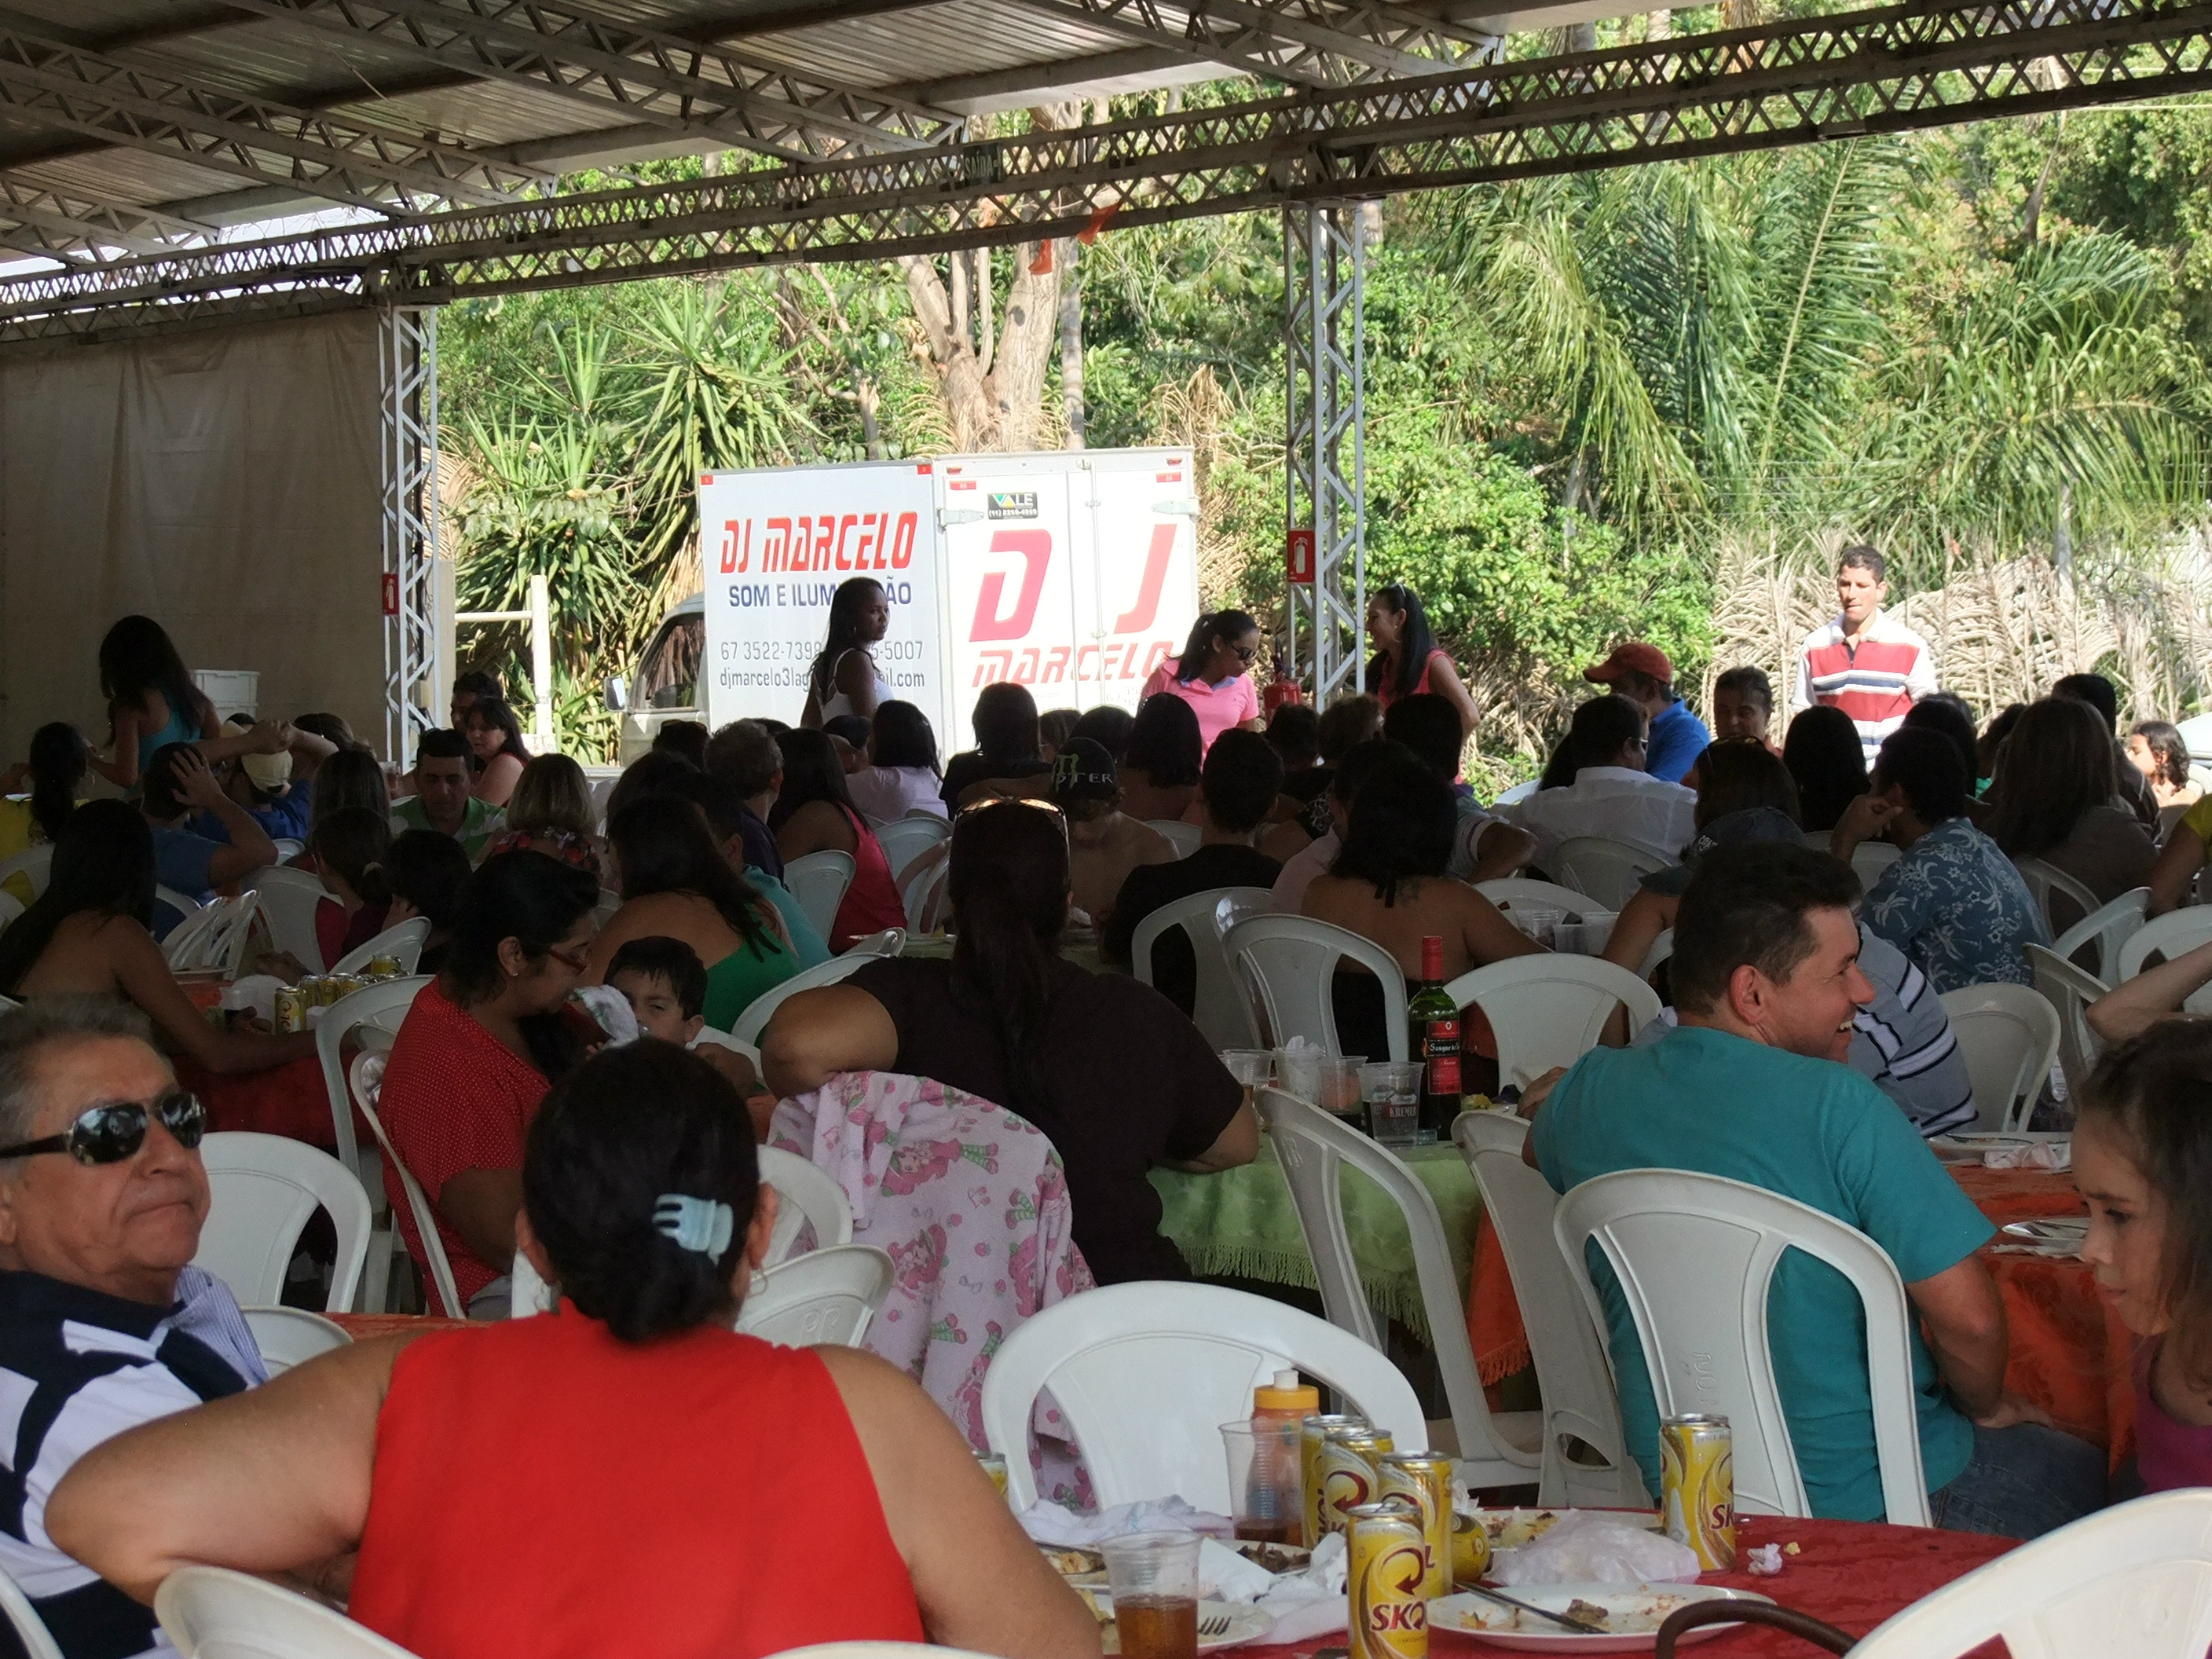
{"x": 2070, "y": 1353}
{"x": 362, "y": 1326}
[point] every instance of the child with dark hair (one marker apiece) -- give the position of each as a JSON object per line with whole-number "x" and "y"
{"x": 428, "y": 871}
{"x": 666, "y": 985}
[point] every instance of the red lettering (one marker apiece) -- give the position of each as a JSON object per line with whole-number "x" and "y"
{"x": 1139, "y": 616}
{"x": 802, "y": 542}
{"x": 729, "y": 560}
{"x": 1036, "y": 548}
{"x": 1161, "y": 649}
{"x": 1055, "y": 665}
{"x": 1027, "y": 673}
{"x": 1081, "y": 673}
{"x": 867, "y": 543}
{"x": 844, "y": 526}
{"x": 902, "y": 543}
{"x": 825, "y": 529}
{"x": 1107, "y": 659}
{"x": 776, "y": 550}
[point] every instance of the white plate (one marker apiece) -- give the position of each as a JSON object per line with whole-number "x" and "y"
{"x": 1471, "y": 1615}
{"x": 1246, "y": 1623}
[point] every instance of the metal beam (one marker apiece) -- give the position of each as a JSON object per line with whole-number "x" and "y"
{"x": 1889, "y": 71}
{"x": 1313, "y": 42}
{"x": 161, "y": 112}
{"x": 587, "y": 56}
{"x": 1324, "y": 433}
{"x": 63, "y": 221}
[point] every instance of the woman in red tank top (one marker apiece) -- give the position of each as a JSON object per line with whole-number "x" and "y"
{"x": 1407, "y": 661}
{"x": 626, "y": 1478}
{"x": 814, "y": 813}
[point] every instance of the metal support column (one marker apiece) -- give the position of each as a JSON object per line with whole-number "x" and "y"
{"x": 1324, "y": 434}
{"x": 407, "y": 362}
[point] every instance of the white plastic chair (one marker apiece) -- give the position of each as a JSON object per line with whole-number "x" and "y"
{"x": 1312, "y": 1147}
{"x": 1608, "y": 869}
{"x": 2134, "y": 1582}
{"x": 828, "y": 1294}
{"x": 1220, "y": 1009}
{"x": 34, "y": 864}
{"x": 2109, "y": 929}
{"x": 287, "y": 847}
{"x": 753, "y": 1018}
{"x": 805, "y": 1194}
{"x": 1695, "y": 1255}
{"x": 609, "y": 903}
{"x": 184, "y": 904}
{"x": 289, "y": 899}
{"x": 1571, "y": 1367}
{"x": 1662, "y": 948}
{"x": 1241, "y": 903}
{"x": 1292, "y": 962}
{"x": 1518, "y": 793}
{"x": 818, "y": 882}
{"x": 426, "y": 1222}
{"x": 1550, "y": 1009}
{"x": 2069, "y": 991}
{"x": 1146, "y": 1373}
{"x": 2046, "y": 881}
{"x": 10, "y": 907}
{"x": 31, "y": 1629}
{"x": 291, "y": 1336}
{"x": 887, "y": 943}
{"x": 215, "y": 936}
{"x": 1186, "y": 838}
{"x": 1526, "y": 893}
{"x": 920, "y": 888}
{"x": 2172, "y": 934}
{"x": 403, "y": 941}
{"x": 904, "y": 839}
{"x": 265, "y": 1189}
{"x": 1870, "y": 860}
{"x": 381, "y": 1008}
{"x": 234, "y": 1615}
{"x": 2008, "y": 1034}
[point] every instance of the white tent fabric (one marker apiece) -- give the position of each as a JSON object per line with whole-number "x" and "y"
{"x": 225, "y": 483}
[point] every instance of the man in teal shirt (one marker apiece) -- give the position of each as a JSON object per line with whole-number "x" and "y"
{"x": 1751, "y": 1086}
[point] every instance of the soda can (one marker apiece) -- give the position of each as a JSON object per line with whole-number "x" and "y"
{"x": 1314, "y": 1430}
{"x": 995, "y": 1467}
{"x": 291, "y": 1008}
{"x": 1386, "y": 1575}
{"x": 1424, "y": 1478}
{"x": 1346, "y": 1467}
{"x": 384, "y": 967}
{"x": 1697, "y": 1486}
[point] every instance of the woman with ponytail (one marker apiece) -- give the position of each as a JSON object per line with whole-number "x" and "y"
{"x": 352, "y": 846}
{"x": 1109, "y": 1069}
{"x": 1214, "y": 675}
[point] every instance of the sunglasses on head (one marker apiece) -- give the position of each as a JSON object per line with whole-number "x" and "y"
{"x": 109, "y": 1133}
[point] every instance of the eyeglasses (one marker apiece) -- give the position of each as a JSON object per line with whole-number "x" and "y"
{"x": 111, "y": 1133}
{"x": 574, "y": 961}
{"x": 987, "y": 804}
{"x": 1245, "y": 652}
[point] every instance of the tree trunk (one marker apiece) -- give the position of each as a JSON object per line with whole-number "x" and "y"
{"x": 1071, "y": 345}
{"x": 979, "y": 289}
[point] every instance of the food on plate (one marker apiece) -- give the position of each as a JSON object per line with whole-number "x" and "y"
{"x": 1588, "y": 1613}
{"x": 1274, "y": 1558}
{"x": 1630, "y": 1613}
{"x": 1072, "y": 1562}
{"x": 1509, "y": 1529}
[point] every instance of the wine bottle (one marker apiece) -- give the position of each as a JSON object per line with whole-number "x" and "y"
{"x": 1432, "y": 1022}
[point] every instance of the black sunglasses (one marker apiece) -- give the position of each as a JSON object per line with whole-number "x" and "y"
{"x": 110, "y": 1133}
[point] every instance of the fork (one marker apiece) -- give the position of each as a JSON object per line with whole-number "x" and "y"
{"x": 1214, "y": 1624}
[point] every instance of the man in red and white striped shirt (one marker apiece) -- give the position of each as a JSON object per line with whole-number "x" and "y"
{"x": 1865, "y": 663}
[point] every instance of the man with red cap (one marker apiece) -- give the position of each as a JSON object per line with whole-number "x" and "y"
{"x": 1642, "y": 674}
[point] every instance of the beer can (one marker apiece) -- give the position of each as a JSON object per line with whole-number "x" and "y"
{"x": 1386, "y": 1574}
{"x": 1314, "y": 1428}
{"x": 1424, "y": 1478}
{"x": 1346, "y": 1467}
{"x": 291, "y": 1008}
{"x": 384, "y": 967}
{"x": 1697, "y": 1484}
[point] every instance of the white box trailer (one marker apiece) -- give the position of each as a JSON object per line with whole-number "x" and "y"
{"x": 1072, "y": 573}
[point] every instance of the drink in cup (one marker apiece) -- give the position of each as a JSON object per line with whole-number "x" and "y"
{"x": 1346, "y": 1469}
{"x": 1392, "y": 1090}
{"x": 1264, "y": 1488}
{"x": 1153, "y": 1577}
{"x": 1542, "y": 926}
{"x": 1317, "y": 1428}
{"x": 1254, "y": 1068}
{"x": 1337, "y": 1084}
{"x": 1386, "y": 1574}
{"x": 1424, "y": 1480}
{"x": 1696, "y": 1488}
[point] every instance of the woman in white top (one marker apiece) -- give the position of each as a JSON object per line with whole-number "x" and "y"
{"x": 1597, "y": 785}
{"x": 902, "y": 775}
{"x": 844, "y": 680}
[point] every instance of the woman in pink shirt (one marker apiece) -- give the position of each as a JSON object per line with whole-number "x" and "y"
{"x": 1214, "y": 675}
{"x": 2142, "y": 1160}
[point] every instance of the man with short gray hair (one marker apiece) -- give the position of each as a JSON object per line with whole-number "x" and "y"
{"x": 104, "y": 1324}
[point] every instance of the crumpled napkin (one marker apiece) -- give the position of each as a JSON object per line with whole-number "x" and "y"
{"x": 1048, "y": 1522}
{"x": 2057, "y": 1155}
{"x": 1304, "y": 1605}
{"x": 611, "y": 1009}
{"x": 1585, "y": 1548}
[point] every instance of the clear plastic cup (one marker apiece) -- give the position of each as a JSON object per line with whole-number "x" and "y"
{"x": 1595, "y": 930}
{"x": 1153, "y": 1578}
{"x": 1267, "y": 1491}
{"x": 1392, "y": 1090}
{"x": 1253, "y": 1068}
{"x": 1336, "y": 1081}
{"x": 1542, "y": 926}
{"x": 1297, "y": 1073}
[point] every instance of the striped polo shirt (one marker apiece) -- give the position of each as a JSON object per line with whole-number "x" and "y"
{"x": 77, "y": 1367}
{"x": 1875, "y": 681}
{"x": 1902, "y": 1042}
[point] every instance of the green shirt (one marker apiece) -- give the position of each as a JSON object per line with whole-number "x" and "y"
{"x": 479, "y": 823}
{"x": 1812, "y": 1130}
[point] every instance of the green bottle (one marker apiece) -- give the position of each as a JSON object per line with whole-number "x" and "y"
{"x": 1432, "y": 1022}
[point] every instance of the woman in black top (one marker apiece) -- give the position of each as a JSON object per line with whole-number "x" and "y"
{"x": 1113, "y": 1075}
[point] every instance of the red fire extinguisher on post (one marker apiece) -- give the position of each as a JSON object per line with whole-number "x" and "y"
{"x": 1282, "y": 688}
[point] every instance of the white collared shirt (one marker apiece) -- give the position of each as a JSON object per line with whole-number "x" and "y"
{"x": 1608, "y": 800}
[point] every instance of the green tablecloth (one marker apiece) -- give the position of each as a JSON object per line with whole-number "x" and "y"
{"x": 1240, "y": 1223}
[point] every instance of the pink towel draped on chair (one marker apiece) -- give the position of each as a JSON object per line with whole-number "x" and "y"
{"x": 971, "y": 1203}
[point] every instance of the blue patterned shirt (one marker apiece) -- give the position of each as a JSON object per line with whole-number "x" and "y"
{"x": 1956, "y": 907}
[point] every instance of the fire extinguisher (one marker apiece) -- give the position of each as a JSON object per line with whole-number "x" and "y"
{"x": 1282, "y": 688}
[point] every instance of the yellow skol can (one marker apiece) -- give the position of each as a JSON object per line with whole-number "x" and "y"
{"x": 1346, "y": 1468}
{"x": 1470, "y": 1549}
{"x": 1316, "y": 1428}
{"x": 1424, "y": 1478}
{"x": 1697, "y": 1486}
{"x": 1386, "y": 1571}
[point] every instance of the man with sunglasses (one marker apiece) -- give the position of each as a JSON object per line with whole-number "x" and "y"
{"x": 104, "y": 1324}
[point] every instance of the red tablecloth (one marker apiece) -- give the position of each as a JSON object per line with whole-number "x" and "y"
{"x": 288, "y": 1100}
{"x": 1853, "y": 1574}
{"x": 2069, "y": 1352}
{"x": 362, "y": 1326}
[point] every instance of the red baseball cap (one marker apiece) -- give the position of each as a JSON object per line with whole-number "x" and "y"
{"x": 1633, "y": 658}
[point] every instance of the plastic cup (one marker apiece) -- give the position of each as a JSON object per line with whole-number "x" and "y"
{"x": 1267, "y": 1490}
{"x": 1596, "y": 931}
{"x": 1153, "y": 1578}
{"x": 1542, "y": 926}
{"x": 1392, "y": 1090}
{"x": 1336, "y": 1081}
{"x": 1297, "y": 1073}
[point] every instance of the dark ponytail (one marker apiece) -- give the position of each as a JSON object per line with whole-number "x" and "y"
{"x": 354, "y": 842}
{"x": 1007, "y": 883}
{"x": 1223, "y": 624}
{"x": 57, "y": 766}
{"x": 626, "y": 1127}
